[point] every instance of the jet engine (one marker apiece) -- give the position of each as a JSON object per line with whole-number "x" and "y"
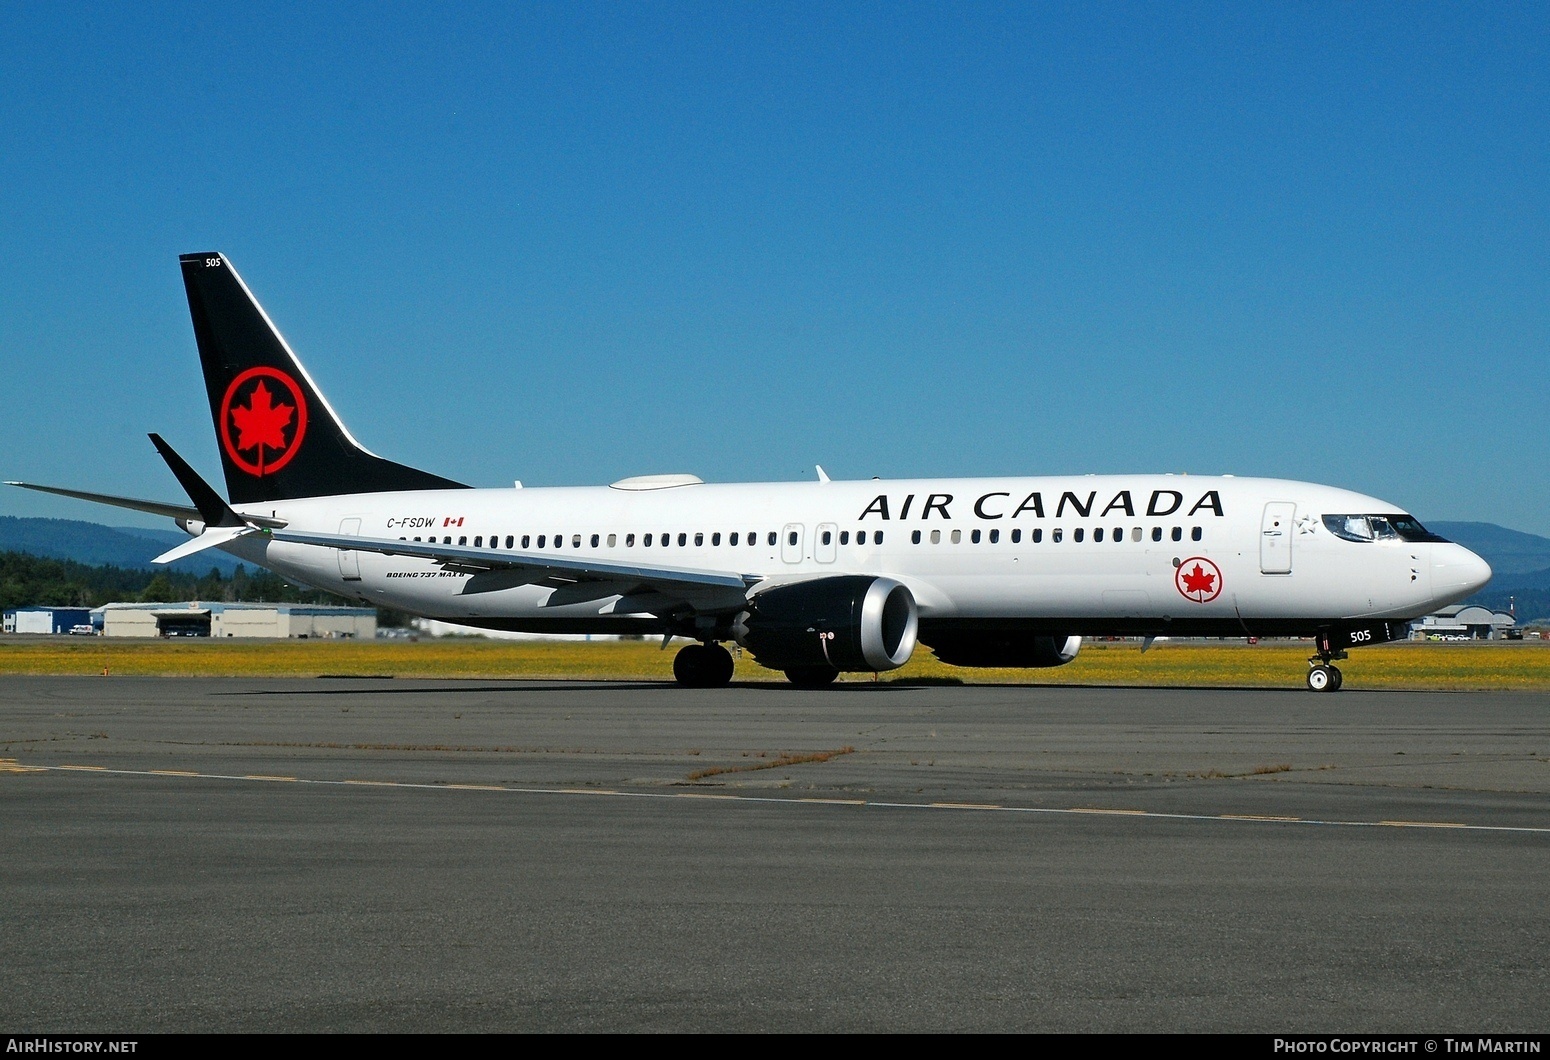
{"x": 850, "y": 622}
{"x": 991, "y": 647}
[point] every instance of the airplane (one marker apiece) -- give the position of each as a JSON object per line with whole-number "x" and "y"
{"x": 811, "y": 578}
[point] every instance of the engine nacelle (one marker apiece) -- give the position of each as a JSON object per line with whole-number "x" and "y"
{"x": 850, "y": 622}
{"x": 1004, "y": 648}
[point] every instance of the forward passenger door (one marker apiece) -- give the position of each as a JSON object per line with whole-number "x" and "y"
{"x": 1275, "y": 538}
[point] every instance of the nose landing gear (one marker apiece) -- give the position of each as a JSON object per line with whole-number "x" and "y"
{"x": 703, "y": 666}
{"x": 1322, "y": 676}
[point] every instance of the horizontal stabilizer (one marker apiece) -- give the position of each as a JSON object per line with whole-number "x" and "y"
{"x": 219, "y": 535}
{"x": 171, "y": 511}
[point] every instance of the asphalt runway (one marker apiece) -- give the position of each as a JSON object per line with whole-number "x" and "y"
{"x": 359, "y": 855}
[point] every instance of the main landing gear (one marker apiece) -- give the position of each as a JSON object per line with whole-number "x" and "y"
{"x": 1322, "y": 676}
{"x": 703, "y": 666}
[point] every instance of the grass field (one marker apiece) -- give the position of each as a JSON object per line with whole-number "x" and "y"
{"x": 1523, "y": 666}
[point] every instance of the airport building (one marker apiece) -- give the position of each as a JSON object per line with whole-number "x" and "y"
{"x": 47, "y": 620}
{"x": 214, "y": 619}
{"x": 1465, "y": 622}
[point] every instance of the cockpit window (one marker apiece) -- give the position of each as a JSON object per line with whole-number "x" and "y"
{"x": 1378, "y": 528}
{"x": 1411, "y": 529}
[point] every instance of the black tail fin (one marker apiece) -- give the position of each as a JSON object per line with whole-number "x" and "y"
{"x": 278, "y": 437}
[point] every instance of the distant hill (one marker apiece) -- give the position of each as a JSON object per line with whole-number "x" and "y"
{"x": 1507, "y": 551}
{"x": 130, "y": 547}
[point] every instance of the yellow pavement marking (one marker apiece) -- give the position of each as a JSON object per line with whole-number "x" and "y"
{"x": 837, "y": 802}
{"x": 10, "y": 765}
{"x": 1423, "y": 824}
{"x": 1099, "y": 809}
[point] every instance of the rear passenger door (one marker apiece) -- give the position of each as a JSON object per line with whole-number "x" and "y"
{"x": 824, "y": 546}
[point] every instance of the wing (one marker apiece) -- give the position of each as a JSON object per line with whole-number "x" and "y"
{"x": 703, "y": 590}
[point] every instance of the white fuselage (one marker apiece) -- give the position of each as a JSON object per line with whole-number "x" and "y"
{"x": 1120, "y": 553}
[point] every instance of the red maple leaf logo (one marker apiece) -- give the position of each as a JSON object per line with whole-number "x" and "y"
{"x": 274, "y": 409}
{"x": 262, "y": 422}
{"x": 1198, "y": 581}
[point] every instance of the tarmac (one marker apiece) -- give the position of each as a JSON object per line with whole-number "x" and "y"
{"x": 388, "y": 855}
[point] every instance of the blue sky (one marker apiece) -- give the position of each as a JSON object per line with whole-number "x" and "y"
{"x": 566, "y": 243}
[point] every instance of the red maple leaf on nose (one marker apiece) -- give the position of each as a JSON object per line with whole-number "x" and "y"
{"x": 262, "y": 422}
{"x": 1198, "y": 581}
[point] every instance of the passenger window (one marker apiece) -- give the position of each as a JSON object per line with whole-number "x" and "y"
{"x": 791, "y": 538}
{"x": 1135, "y": 533}
{"x": 1156, "y": 533}
{"x": 715, "y": 539}
{"x": 510, "y": 541}
{"x": 647, "y": 541}
{"x": 699, "y": 540}
{"x": 936, "y": 537}
{"x": 995, "y": 535}
{"x": 974, "y": 536}
{"x": 629, "y": 540}
{"x": 1037, "y": 535}
{"x": 594, "y": 540}
{"x": 479, "y": 541}
{"x": 417, "y": 539}
{"x": 462, "y": 541}
{"x": 914, "y": 537}
{"x": 877, "y": 537}
{"x": 1119, "y": 534}
{"x": 526, "y": 541}
{"x": 1056, "y": 536}
{"x": 733, "y": 539}
{"x": 828, "y": 536}
{"x": 957, "y": 536}
{"x": 753, "y": 538}
{"x": 613, "y": 539}
{"x": 845, "y": 538}
{"x": 1194, "y": 535}
{"x": 667, "y": 539}
{"x": 1076, "y": 535}
{"x": 1017, "y": 535}
{"x": 1097, "y": 534}
{"x": 772, "y": 537}
{"x": 1178, "y": 533}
